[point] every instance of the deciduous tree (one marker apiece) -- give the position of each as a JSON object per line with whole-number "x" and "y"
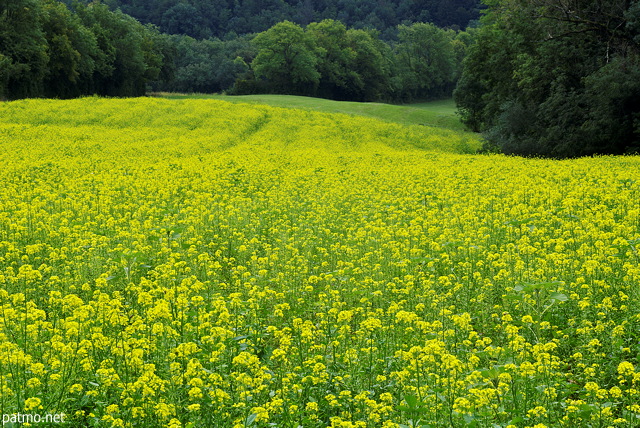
{"x": 23, "y": 47}
{"x": 555, "y": 78}
{"x": 287, "y": 58}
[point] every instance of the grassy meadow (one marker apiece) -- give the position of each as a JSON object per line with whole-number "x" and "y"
{"x": 202, "y": 263}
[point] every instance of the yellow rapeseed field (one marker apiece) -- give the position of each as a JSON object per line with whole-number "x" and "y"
{"x": 206, "y": 264}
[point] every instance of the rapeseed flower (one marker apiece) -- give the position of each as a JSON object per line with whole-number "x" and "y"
{"x": 209, "y": 264}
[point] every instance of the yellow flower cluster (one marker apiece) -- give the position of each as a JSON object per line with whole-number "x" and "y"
{"x": 206, "y": 264}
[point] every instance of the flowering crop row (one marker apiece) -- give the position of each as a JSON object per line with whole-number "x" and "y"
{"x": 206, "y": 264}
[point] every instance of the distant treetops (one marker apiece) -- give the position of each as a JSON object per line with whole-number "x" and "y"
{"x": 227, "y": 19}
{"x": 50, "y": 50}
{"x": 329, "y": 60}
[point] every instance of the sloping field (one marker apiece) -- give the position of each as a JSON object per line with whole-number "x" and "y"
{"x": 191, "y": 125}
{"x": 198, "y": 263}
{"x": 441, "y": 113}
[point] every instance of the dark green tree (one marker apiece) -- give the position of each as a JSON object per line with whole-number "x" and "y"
{"x": 23, "y": 49}
{"x": 207, "y": 65}
{"x": 336, "y": 61}
{"x": 184, "y": 18}
{"x": 555, "y": 78}
{"x": 48, "y": 49}
{"x": 287, "y": 59}
{"x": 326, "y": 60}
{"x": 426, "y": 61}
{"x": 72, "y": 50}
{"x": 352, "y": 63}
{"x": 128, "y": 57}
{"x": 217, "y": 18}
{"x": 372, "y": 64}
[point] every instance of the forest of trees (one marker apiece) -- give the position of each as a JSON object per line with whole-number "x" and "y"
{"x": 49, "y": 49}
{"x": 325, "y": 59}
{"x": 558, "y": 79}
{"x": 226, "y": 19}
{"x": 46, "y": 50}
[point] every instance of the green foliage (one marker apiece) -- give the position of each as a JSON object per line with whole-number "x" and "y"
{"x": 353, "y": 64}
{"x": 373, "y": 63}
{"x": 23, "y": 48}
{"x": 122, "y": 38}
{"x": 48, "y": 50}
{"x": 72, "y": 50}
{"x": 328, "y": 60}
{"x": 184, "y": 18}
{"x": 203, "y": 19}
{"x": 555, "y": 80}
{"x": 287, "y": 58}
{"x": 205, "y": 66}
{"x": 426, "y": 61}
{"x": 337, "y": 59}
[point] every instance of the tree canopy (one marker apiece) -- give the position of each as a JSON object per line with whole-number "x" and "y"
{"x": 47, "y": 49}
{"x": 202, "y": 19}
{"x": 329, "y": 60}
{"x": 557, "y": 79}
{"x": 288, "y": 57}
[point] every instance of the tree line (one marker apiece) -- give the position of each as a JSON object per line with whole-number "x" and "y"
{"x": 226, "y": 19}
{"x": 557, "y": 79}
{"x": 50, "y": 50}
{"x": 326, "y": 59}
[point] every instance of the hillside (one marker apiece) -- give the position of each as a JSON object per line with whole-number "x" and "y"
{"x": 441, "y": 113}
{"x": 214, "y": 125}
{"x": 224, "y": 18}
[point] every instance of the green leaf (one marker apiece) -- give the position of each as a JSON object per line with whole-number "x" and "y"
{"x": 251, "y": 419}
{"x": 411, "y": 400}
{"x": 558, "y": 297}
{"x": 489, "y": 373}
{"x": 469, "y": 418}
{"x": 586, "y": 410}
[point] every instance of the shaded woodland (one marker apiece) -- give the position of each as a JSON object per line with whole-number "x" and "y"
{"x": 226, "y": 19}
{"x": 49, "y": 49}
